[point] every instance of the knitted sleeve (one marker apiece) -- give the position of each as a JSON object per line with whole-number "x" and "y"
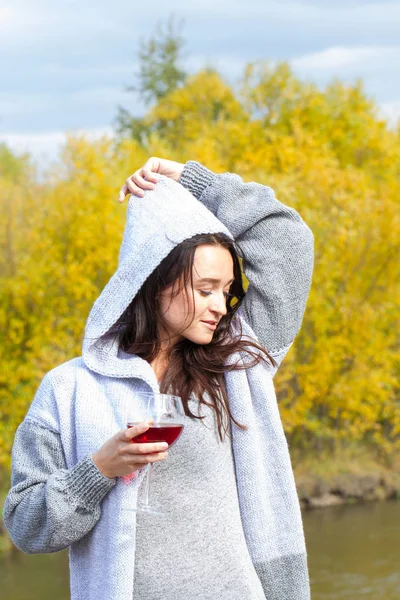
{"x": 277, "y": 248}
{"x": 49, "y": 506}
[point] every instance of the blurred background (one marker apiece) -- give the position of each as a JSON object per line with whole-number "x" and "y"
{"x": 301, "y": 96}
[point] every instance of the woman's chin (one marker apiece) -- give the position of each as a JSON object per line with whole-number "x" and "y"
{"x": 202, "y": 338}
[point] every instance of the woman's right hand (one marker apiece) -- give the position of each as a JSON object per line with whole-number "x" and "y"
{"x": 144, "y": 179}
{"x": 119, "y": 456}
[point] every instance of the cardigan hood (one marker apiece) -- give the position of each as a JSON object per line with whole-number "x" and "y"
{"x": 156, "y": 223}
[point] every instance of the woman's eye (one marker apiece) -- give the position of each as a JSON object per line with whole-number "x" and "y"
{"x": 227, "y": 295}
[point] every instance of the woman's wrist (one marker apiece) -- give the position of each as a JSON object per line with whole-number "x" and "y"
{"x": 196, "y": 178}
{"x": 170, "y": 168}
{"x": 97, "y": 462}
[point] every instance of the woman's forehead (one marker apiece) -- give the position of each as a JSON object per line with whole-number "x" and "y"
{"x": 213, "y": 263}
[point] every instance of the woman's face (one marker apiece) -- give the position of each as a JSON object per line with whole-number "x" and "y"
{"x": 181, "y": 317}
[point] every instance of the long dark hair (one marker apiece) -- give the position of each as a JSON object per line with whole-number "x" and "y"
{"x": 192, "y": 368}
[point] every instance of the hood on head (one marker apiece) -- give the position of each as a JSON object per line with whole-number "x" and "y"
{"x": 156, "y": 223}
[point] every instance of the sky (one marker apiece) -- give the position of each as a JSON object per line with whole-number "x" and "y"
{"x": 65, "y": 65}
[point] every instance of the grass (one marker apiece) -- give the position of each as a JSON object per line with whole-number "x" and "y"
{"x": 353, "y": 461}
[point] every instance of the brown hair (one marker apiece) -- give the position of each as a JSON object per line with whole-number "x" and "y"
{"x": 192, "y": 368}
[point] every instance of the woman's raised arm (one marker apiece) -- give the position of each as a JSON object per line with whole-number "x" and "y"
{"x": 278, "y": 249}
{"x": 277, "y": 245}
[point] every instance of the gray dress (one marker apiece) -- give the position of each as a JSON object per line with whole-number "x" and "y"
{"x": 197, "y": 550}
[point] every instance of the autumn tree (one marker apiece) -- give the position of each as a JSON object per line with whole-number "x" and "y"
{"x": 326, "y": 152}
{"x": 160, "y": 73}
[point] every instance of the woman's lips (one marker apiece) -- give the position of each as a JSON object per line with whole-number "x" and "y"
{"x": 210, "y": 324}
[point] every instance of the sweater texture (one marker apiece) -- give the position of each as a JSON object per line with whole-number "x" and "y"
{"x": 197, "y": 549}
{"x": 59, "y": 499}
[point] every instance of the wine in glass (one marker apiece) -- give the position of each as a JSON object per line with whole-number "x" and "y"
{"x": 167, "y": 415}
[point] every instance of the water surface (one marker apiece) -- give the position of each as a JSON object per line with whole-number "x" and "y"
{"x": 353, "y": 551}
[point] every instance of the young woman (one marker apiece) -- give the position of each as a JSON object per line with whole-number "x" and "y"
{"x": 175, "y": 318}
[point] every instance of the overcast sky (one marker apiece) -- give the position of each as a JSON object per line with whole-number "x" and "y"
{"x": 65, "y": 64}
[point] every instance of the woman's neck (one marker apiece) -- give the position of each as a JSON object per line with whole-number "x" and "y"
{"x": 160, "y": 364}
{"x": 161, "y": 361}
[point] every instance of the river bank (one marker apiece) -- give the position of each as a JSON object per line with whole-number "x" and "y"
{"x": 322, "y": 480}
{"x": 345, "y": 477}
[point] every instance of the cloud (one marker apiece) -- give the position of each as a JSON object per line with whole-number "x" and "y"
{"x": 14, "y": 104}
{"x": 23, "y": 24}
{"x": 68, "y": 63}
{"x": 391, "y": 112}
{"x": 35, "y": 143}
{"x": 339, "y": 57}
{"x": 376, "y": 66}
{"x": 59, "y": 109}
{"x": 45, "y": 147}
{"x": 18, "y": 26}
{"x": 8, "y": 18}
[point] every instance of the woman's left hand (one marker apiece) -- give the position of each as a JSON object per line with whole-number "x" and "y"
{"x": 144, "y": 179}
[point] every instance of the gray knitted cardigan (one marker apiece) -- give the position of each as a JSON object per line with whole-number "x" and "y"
{"x": 59, "y": 498}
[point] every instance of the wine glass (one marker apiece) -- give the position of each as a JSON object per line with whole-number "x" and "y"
{"x": 167, "y": 415}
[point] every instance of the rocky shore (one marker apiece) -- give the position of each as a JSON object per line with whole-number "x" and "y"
{"x": 322, "y": 481}
{"x": 347, "y": 488}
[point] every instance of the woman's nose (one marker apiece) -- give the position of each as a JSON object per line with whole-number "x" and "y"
{"x": 218, "y": 303}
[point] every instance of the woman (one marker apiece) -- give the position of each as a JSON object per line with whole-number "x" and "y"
{"x": 174, "y": 317}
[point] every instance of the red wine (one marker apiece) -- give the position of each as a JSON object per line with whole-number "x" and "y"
{"x": 161, "y": 432}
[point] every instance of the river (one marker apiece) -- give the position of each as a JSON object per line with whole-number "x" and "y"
{"x": 353, "y": 552}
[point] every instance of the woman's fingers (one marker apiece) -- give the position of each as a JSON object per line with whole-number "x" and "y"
{"x": 139, "y": 448}
{"x": 133, "y": 188}
{"x": 126, "y": 435}
{"x": 122, "y": 193}
{"x": 148, "y": 448}
{"x": 146, "y": 177}
{"x": 135, "y": 185}
{"x": 142, "y": 183}
{"x": 144, "y": 459}
{"x": 143, "y": 454}
{"x": 142, "y": 179}
{"x": 148, "y": 174}
{"x": 130, "y": 187}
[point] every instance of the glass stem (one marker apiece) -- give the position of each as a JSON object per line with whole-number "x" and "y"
{"x": 147, "y": 489}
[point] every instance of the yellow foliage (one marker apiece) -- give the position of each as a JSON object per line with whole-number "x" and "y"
{"x": 326, "y": 153}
